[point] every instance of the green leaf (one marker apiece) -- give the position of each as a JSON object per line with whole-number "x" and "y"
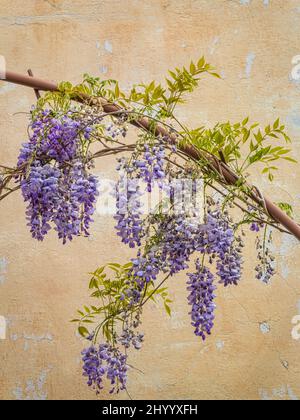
{"x": 289, "y": 159}
{"x": 287, "y": 208}
{"x": 83, "y": 331}
{"x": 174, "y": 76}
{"x": 201, "y": 63}
{"x": 117, "y": 90}
{"x": 216, "y": 75}
{"x": 276, "y": 124}
{"x": 93, "y": 284}
{"x": 268, "y": 129}
{"x": 167, "y": 308}
{"x": 192, "y": 68}
{"x": 258, "y": 136}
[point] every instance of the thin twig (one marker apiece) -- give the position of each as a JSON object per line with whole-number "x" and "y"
{"x": 36, "y": 91}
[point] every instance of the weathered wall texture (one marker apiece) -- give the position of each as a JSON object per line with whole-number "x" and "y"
{"x": 251, "y": 354}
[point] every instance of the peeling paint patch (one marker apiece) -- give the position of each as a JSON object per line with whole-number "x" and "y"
{"x": 246, "y": 2}
{"x": 108, "y": 47}
{"x": 3, "y": 268}
{"x": 264, "y": 396}
{"x": 298, "y": 306}
{"x": 294, "y": 118}
{"x": 249, "y": 63}
{"x": 279, "y": 393}
{"x": 31, "y": 338}
{"x": 285, "y": 271}
{"x": 181, "y": 346}
{"x": 220, "y": 345}
{"x": 288, "y": 244}
{"x": 104, "y": 69}
{"x": 177, "y": 320}
{"x": 34, "y": 389}
{"x": 214, "y": 45}
{"x": 291, "y": 394}
{"x": 283, "y": 392}
{"x": 265, "y": 328}
{"x": 3, "y": 325}
{"x": 7, "y": 88}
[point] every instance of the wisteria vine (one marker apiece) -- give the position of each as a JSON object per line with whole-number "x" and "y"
{"x": 202, "y": 242}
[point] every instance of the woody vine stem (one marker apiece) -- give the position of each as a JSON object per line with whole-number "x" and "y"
{"x": 54, "y": 172}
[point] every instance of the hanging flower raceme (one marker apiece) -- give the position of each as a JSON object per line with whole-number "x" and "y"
{"x": 41, "y": 190}
{"x": 151, "y": 167}
{"x": 229, "y": 265}
{"x": 201, "y": 298}
{"x": 55, "y": 180}
{"x": 129, "y": 208}
{"x": 105, "y": 362}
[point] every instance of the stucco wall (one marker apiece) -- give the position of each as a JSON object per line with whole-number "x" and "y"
{"x": 251, "y": 354}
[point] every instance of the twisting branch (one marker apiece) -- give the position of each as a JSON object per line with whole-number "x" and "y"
{"x": 144, "y": 123}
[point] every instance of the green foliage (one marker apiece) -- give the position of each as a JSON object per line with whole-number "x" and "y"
{"x": 232, "y": 141}
{"x": 162, "y": 293}
{"x": 186, "y": 81}
{"x": 149, "y": 95}
{"x": 107, "y": 291}
{"x": 180, "y": 82}
{"x": 287, "y": 208}
{"x": 158, "y": 102}
{"x": 108, "y": 286}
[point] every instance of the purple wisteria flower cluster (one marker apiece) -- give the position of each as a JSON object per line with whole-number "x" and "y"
{"x": 167, "y": 242}
{"x": 229, "y": 265}
{"x": 145, "y": 269}
{"x": 151, "y": 167}
{"x": 129, "y": 338}
{"x": 114, "y": 131}
{"x": 255, "y": 227}
{"x": 105, "y": 362}
{"x": 129, "y": 208}
{"x": 55, "y": 182}
{"x": 177, "y": 239}
{"x": 201, "y": 298}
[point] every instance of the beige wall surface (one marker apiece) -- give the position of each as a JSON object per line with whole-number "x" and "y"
{"x": 251, "y": 354}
